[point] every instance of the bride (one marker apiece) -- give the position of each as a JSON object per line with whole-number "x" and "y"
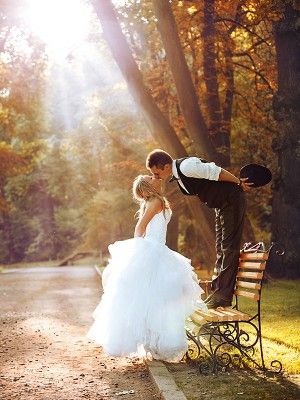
{"x": 149, "y": 290}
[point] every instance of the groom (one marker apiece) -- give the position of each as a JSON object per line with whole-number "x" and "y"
{"x": 224, "y": 192}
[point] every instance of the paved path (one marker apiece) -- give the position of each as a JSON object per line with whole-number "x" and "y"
{"x": 44, "y": 354}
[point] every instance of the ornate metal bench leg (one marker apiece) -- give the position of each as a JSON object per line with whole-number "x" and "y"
{"x": 260, "y": 344}
{"x": 202, "y": 355}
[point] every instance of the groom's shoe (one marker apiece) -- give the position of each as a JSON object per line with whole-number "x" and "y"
{"x": 217, "y": 302}
{"x": 208, "y": 298}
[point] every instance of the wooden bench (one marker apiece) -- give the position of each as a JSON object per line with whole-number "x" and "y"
{"x": 228, "y": 336}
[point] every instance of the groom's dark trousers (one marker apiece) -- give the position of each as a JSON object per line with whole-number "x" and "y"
{"x": 229, "y": 229}
{"x": 228, "y": 200}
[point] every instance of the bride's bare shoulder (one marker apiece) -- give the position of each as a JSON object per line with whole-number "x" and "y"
{"x": 154, "y": 204}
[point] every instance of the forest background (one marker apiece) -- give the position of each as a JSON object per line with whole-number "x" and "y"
{"x": 80, "y": 111}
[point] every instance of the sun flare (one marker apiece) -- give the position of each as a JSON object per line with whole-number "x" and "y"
{"x": 61, "y": 24}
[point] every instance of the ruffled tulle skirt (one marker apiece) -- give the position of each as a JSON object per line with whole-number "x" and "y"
{"x": 149, "y": 291}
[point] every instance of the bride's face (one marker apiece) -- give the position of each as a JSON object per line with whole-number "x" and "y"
{"x": 156, "y": 183}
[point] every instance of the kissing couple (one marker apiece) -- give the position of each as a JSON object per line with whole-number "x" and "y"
{"x": 149, "y": 289}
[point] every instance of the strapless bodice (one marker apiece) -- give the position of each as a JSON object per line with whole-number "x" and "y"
{"x": 157, "y": 228}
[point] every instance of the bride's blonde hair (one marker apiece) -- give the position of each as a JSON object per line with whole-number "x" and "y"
{"x": 143, "y": 191}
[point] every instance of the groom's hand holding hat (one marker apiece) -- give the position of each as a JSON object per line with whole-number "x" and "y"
{"x": 255, "y": 174}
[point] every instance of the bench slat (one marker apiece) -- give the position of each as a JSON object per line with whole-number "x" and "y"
{"x": 218, "y": 314}
{"x": 254, "y": 256}
{"x": 237, "y": 315}
{"x": 197, "y": 318}
{"x": 250, "y": 275}
{"x": 241, "y": 313}
{"x": 225, "y": 314}
{"x": 211, "y": 315}
{"x": 250, "y": 295}
{"x": 248, "y": 285}
{"x": 259, "y": 266}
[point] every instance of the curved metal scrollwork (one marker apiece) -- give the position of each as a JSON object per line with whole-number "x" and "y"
{"x": 229, "y": 331}
{"x": 193, "y": 351}
{"x": 247, "y": 340}
{"x": 224, "y": 345}
{"x": 278, "y": 248}
{"x": 225, "y": 359}
{"x": 276, "y": 366}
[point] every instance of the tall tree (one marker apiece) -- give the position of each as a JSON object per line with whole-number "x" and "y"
{"x": 195, "y": 123}
{"x": 286, "y": 202}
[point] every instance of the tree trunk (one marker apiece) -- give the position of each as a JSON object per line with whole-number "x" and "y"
{"x": 220, "y": 138}
{"x": 286, "y": 200}
{"x": 195, "y": 124}
{"x": 160, "y": 127}
{"x": 7, "y": 229}
{"x": 227, "y": 107}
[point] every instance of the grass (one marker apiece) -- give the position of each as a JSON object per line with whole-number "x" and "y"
{"x": 233, "y": 385}
{"x": 280, "y": 322}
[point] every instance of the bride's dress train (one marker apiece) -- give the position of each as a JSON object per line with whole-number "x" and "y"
{"x": 149, "y": 291}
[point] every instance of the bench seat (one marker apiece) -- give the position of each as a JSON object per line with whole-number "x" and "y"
{"x": 220, "y": 314}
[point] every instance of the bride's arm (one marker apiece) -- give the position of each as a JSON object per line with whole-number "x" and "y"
{"x": 152, "y": 207}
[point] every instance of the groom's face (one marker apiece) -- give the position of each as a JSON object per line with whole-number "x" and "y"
{"x": 161, "y": 172}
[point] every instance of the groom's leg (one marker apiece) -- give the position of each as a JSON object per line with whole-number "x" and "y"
{"x": 219, "y": 260}
{"x": 232, "y": 222}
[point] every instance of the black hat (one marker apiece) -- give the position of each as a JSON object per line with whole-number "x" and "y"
{"x": 256, "y": 174}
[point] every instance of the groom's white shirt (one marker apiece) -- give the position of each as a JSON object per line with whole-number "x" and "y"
{"x": 193, "y": 167}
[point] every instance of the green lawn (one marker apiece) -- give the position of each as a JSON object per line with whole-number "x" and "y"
{"x": 280, "y": 322}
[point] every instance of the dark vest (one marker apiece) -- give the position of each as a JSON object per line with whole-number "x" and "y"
{"x": 213, "y": 193}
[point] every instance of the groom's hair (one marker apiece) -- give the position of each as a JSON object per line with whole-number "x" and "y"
{"x": 158, "y": 158}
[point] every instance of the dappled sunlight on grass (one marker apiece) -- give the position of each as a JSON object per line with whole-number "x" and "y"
{"x": 280, "y": 322}
{"x": 280, "y": 311}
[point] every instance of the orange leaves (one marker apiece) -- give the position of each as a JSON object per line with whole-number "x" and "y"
{"x": 11, "y": 163}
{"x": 227, "y": 8}
{"x": 4, "y": 206}
{"x": 14, "y": 162}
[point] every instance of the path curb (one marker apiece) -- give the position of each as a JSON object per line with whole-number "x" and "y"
{"x": 164, "y": 381}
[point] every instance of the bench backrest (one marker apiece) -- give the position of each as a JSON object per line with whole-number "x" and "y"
{"x": 250, "y": 274}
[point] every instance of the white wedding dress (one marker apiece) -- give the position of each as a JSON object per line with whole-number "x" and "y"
{"x": 149, "y": 291}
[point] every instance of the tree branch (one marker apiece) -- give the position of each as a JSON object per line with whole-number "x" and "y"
{"x": 255, "y": 72}
{"x": 245, "y": 53}
{"x": 242, "y": 26}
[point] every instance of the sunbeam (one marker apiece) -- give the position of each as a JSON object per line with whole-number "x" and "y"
{"x": 61, "y": 24}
